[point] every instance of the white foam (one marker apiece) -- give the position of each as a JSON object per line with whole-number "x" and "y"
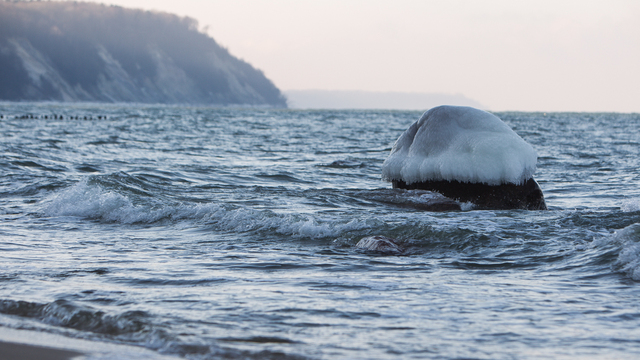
{"x": 630, "y": 205}
{"x": 463, "y": 144}
{"x": 91, "y": 201}
{"x": 84, "y": 200}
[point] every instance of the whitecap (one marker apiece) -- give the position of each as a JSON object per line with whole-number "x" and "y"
{"x": 91, "y": 201}
{"x": 630, "y": 205}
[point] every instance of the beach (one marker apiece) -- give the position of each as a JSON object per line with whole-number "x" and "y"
{"x": 16, "y": 351}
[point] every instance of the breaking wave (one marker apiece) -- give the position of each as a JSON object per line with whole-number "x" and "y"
{"x": 92, "y": 201}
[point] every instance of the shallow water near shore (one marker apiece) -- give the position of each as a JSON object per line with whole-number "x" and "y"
{"x": 210, "y": 233}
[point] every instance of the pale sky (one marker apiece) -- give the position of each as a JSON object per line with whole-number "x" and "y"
{"x": 542, "y": 55}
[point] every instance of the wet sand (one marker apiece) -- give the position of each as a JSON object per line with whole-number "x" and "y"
{"x": 40, "y": 345}
{"x": 15, "y": 351}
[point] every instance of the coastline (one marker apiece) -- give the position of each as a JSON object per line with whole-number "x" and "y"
{"x": 19, "y": 344}
{"x": 18, "y": 351}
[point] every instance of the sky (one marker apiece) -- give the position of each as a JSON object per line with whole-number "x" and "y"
{"x": 559, "y": 55}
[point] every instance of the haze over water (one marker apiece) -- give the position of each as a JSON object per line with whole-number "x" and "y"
{"x": 545, "y": 55}
{"x": 209, "y": 233}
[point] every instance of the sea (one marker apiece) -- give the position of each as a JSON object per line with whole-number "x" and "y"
{"x": 134, "y": 231}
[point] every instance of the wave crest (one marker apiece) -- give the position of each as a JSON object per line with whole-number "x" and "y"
{"x": 90, "y": 200}
{"x": 629, "y": 256}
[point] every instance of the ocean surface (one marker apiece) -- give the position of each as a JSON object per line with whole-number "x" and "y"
{"x": 215, "y": 233}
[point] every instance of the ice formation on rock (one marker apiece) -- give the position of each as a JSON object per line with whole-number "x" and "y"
{"x": 466, "y": 154}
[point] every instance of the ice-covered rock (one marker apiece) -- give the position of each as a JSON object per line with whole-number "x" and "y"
{"x": 466, "y": 154}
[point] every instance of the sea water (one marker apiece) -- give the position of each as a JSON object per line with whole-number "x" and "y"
{"x": 209, "y": 233}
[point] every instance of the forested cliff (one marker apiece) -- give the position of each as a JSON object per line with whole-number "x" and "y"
{"x": 73, "y": 51}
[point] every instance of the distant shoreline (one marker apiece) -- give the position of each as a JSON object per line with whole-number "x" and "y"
{"x": 358, "y": 99}
{"x": 76, "y": 51}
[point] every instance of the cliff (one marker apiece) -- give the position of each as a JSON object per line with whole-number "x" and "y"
{"x": 71, "y": 51}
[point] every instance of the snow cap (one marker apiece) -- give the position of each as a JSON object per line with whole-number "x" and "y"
{"x": 460, "y": 143}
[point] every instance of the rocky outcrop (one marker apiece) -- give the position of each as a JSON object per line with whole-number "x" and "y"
{"x": 468, "y": 155}
{"x": 69, "y": 51}
{"x": 527, "y": 196}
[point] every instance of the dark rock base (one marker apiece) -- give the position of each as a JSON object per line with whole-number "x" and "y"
{"x": 527, "y": 196}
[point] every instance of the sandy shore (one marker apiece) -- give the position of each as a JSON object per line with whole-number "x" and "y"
{"x": 15, "y": 351}
{"x": 39, "y": 345}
